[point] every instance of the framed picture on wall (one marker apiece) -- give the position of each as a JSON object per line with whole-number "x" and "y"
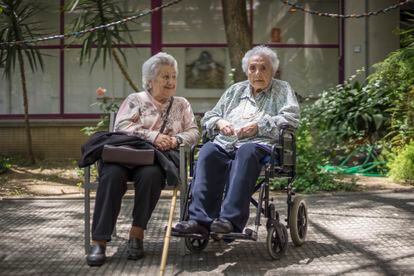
{"x": 275, "y": 35}
{"x": 204, "y": 68}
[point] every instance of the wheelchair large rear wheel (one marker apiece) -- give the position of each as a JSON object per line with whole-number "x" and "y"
{"x": 196, "y": 245}
{"x": 277, "y": 241}
{"x": 298, "y": 221}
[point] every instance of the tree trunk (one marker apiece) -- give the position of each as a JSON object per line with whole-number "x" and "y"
{"x": 26, "y": 108}
{"x": 123, "y": 70}
{"x": 239, "y": 36}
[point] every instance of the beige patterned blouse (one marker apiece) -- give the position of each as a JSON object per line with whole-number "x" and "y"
{"x": 141, "y": 115}
{"x": 269, "y": 109}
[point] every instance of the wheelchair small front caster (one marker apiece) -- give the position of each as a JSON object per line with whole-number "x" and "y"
{"x": 277, "y": 241}
{"x": 196, "y": 245}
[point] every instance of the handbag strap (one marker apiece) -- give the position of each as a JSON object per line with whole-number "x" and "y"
{"x": 166, "y": 115}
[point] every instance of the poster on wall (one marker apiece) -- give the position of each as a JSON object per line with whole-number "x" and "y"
{"x": 275, "y": 35}
{"x": 205, "y": 68}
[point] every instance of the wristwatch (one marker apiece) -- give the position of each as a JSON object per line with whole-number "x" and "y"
{"x": 179, "y": 141}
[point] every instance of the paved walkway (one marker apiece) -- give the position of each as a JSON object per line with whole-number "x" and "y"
{"x": 354, "y": 233}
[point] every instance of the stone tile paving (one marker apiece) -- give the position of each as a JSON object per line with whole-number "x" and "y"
{"x": 350, "y": 233}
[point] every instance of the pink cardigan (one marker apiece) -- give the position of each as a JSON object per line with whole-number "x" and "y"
{"x": 141, "y": 115}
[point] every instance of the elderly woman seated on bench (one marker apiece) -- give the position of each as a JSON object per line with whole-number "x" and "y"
{"x": 248, "y": 117}
{"x": 142, "y": 115}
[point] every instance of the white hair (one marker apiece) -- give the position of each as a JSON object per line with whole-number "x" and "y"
{"x": 152, "y": 66}
{"x": 262, "y": 51}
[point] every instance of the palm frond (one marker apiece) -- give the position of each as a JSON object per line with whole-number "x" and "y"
{"x": 18, "y": 24}
{"x": 92, "y": 13}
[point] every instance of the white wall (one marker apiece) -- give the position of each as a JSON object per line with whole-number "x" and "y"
{"x": 369, "y": 40}
{"x": 381, "y": 29}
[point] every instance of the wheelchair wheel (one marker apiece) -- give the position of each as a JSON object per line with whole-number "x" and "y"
{"x": 298, "y": 221}
{"x": 196, "y": 245}
{"x": 277, "y": 244}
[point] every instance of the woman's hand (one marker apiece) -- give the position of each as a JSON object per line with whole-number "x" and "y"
{"x": 174, "y": 142}
{"x": 225, "y": 127}
{"x": 163, "y": 142}
{"x": 247, "y": 131}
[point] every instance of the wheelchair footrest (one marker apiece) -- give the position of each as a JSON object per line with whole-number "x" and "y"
{"x": 247, "y": 235}
{"x": 188, "y": 235}
{"x": 233, "y": 236}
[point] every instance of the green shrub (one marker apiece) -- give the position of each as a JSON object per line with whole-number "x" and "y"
{"x": 379, "y": 112}
{"x": 5, "y": 164}
{"x": 348, "y": 116}
{"x": 377, "y": 115}
{"x": 402, "y": 166}
{"x": 394, "y": 76}
{"x": 310, "y": 159}
{"x": 278, "y": 184}
{"x": 394, "y": 79}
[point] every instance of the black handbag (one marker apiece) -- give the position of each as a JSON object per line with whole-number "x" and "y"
{"x": 130, "y": 156}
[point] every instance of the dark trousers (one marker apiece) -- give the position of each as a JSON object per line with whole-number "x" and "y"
{"x": 216, "y": 170}
{"x": 148, "y": 181}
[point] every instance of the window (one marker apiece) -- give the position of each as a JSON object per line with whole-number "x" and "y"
{"x": 42, "y": 88}
{"x": 196, "y": 21}
{"x": 294, "y": 26}
{"x": 81, "y": 82}
{"x": 308, "y": 70}
{"x": 193, "y": 32}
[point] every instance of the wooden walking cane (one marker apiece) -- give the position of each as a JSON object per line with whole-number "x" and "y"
{"x": 168, "y": 234}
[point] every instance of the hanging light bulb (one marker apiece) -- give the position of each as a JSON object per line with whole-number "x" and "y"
{"x": 293, "y": 7}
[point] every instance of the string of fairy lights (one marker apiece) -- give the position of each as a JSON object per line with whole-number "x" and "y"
{"x": 293, "y": 5}
{"x": 93, "y": 29}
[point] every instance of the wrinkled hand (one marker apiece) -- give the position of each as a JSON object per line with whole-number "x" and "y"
{"x": 248, "y": 130}
{"x": 174, "y": 142}
{"x": 163, "y": 142}
{"x": 225, "y": 127}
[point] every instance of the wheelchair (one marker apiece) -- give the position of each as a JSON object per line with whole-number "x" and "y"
{"x": 280, "y": 164}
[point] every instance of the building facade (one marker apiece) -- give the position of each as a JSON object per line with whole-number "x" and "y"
{"x": 316, "y": 53}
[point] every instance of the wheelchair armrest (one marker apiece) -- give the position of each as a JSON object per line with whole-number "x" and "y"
{"x": 286, "y": 142}
{"x": 192, "y": 156}
{"x": 184, "y": 151}
{"x": 286, "y": 134}
{"x": 286, "y": 128}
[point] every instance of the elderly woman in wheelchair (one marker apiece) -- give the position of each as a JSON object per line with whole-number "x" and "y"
{"x": 249, "y": 118}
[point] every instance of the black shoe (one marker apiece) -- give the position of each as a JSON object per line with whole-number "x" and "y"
{"x": 190, "y": 227}
{"x": 222, "y": 226}
{"x": 135, "y": 249}
{"x": 96, "y": 256}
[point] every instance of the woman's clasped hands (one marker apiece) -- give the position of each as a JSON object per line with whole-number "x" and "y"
{"x": 165, "y": 142}
{"x": 227, "y": 129}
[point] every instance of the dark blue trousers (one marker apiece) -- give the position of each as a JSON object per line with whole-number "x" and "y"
{"x": 216, "y": 170}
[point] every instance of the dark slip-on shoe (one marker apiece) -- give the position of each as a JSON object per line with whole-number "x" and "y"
{"x": 222, "y": 226}
{"x": 190, "y": 227}
{"x": 96, "y": 256}
{"x": 135, "y": 249}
